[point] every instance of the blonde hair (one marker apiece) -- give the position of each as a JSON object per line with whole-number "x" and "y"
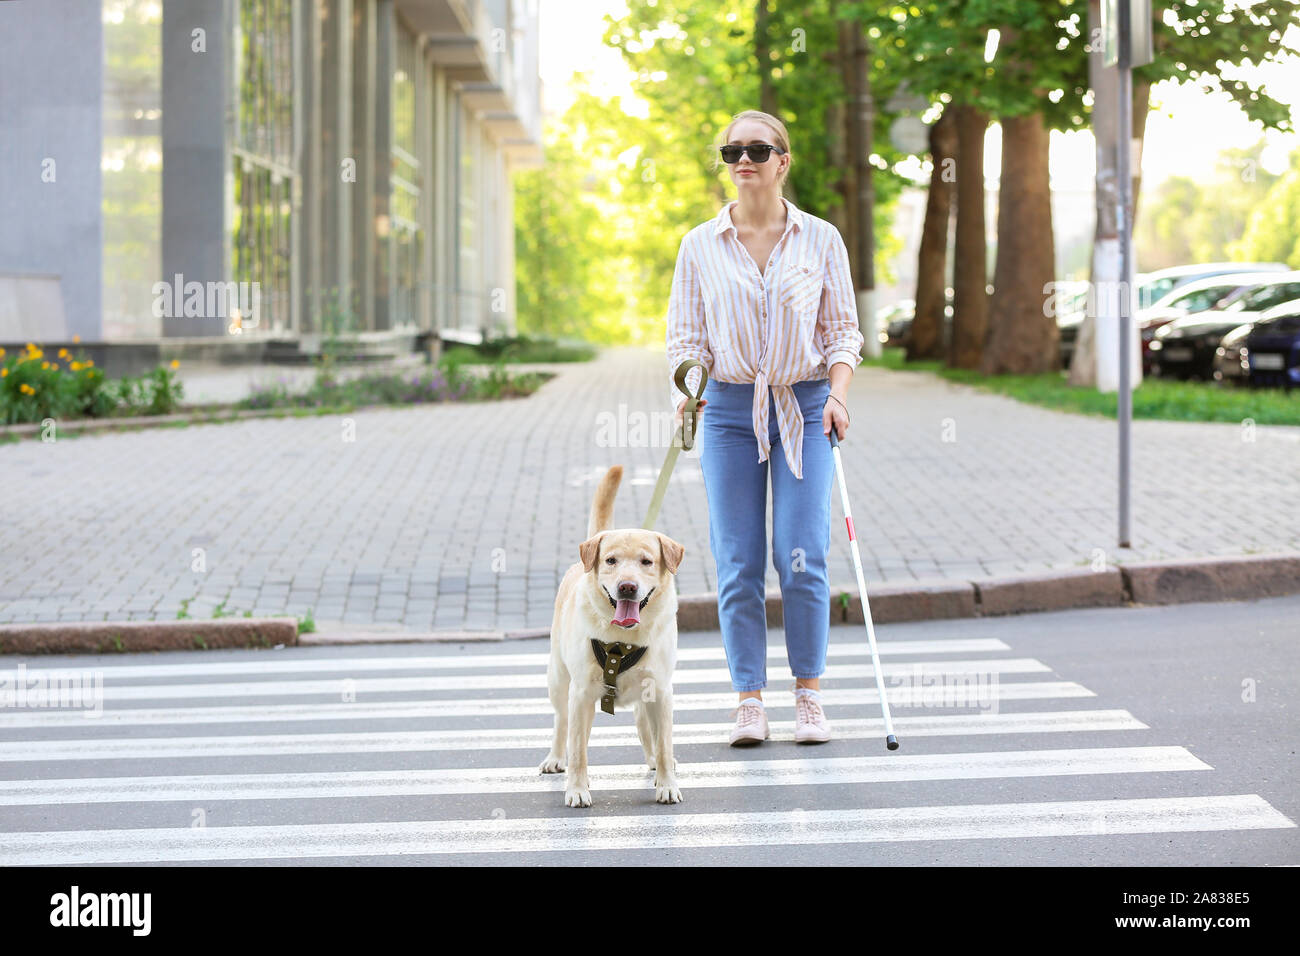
{"x": 781, "y": 139}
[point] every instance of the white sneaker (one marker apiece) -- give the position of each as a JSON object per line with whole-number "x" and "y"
{"x": 751, "y": 724}
{"x": 810, "y": 723}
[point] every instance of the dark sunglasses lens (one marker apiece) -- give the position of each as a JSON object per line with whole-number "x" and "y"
{"x": 758, "y": 153}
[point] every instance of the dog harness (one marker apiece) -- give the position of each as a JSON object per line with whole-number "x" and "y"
{"x": 614, "y": 658}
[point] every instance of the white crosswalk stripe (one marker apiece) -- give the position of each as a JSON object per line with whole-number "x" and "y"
{"x": 538, "y": 738}
{"x": 749, "y": 773}
{"x": 672, "y": 831}
{"x": 113, "y": 692}
{"x": 169, "y": 733}
{"x": 985, "y": 696}
{"x": 467, "y": 661}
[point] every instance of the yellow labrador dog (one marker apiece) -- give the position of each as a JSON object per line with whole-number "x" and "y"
{"x": 615, "y": 624}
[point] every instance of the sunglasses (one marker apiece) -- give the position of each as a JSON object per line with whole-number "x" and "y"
{"x": 758, "y": 152}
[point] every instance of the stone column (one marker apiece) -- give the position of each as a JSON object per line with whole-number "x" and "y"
{"x": 363, "y": 149}
{"x": 307, "y": 142}
{"x": 338, "y": 162}
{"x": 385, "y": 54}
{"x": 196, "y": 180}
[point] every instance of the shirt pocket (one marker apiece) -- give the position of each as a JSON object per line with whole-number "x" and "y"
{"x": 801, "y": 290}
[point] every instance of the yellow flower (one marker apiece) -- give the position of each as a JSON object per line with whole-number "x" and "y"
{"x": 75, "y": 366}
{"x": 63, "y": 353}
{"x": 176, "y": 363}
{"x": 26, "y": 389}
{"x": 3, "y": 372}
{"x": 45, "y": 365}
{"x": 90, "y": 363}
{"x": 2, "y": 351}
{"x": 76, "y": 338}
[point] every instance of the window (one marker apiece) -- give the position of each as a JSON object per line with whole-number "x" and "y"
{"x": 1265, "y": 297}
{"x": 1202, "y": 299}
{"x": 131, "y": 166}
{"x": 262, "y": 164}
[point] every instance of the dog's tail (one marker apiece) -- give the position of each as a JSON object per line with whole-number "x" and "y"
{"x": 602, "y": 506}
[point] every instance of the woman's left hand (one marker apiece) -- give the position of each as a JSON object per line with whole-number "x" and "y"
{"x": 835, "y": 416}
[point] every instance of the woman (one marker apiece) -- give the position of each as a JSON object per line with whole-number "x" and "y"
{"x": 763, "y": 298}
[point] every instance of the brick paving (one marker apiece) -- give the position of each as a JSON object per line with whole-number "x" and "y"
{"x": 466, "y": 515}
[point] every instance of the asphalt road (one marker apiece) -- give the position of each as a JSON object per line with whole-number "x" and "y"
{"x": 1129, "y": 736}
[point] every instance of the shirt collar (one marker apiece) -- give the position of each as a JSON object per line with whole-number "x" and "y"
{"x": 794, "y": 217}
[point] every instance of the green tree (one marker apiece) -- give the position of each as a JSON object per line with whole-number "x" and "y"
{"x": 1273, "y": 231}
{"x": 1185, "y": 221}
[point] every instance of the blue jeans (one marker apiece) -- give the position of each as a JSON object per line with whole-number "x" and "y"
{"x": 735, "y": 483}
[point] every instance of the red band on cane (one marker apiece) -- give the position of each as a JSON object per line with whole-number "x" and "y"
{"x": 848, "y": 520}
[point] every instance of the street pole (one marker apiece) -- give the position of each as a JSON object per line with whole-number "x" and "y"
{"x": 1124, "y": 145}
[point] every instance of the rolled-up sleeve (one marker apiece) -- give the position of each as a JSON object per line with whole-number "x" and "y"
{"x": 837, "y": 318}
{"x": 688, "y": 336}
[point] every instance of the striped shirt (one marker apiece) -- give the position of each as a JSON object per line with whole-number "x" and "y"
{"x": 790, "y": 324}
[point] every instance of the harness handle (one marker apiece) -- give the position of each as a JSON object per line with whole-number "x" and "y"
{"x": 690, "y": 417}
{"x": 683, "y": 437}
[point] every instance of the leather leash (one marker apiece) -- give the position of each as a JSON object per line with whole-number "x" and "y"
{"x": 683, "y": 437}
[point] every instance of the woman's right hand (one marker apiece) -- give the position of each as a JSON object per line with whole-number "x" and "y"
{"x": 681, "y": 411}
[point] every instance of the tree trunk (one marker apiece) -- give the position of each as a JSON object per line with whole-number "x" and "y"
{"x": 1103, "y": 302}
{"x": 864, "y": 201}
{"x": 926, "y": 338}
{"x": 843, "y": 144}
{"x": 762, "y": 53}
{"x": 1022, "y": 337}
{"x": 1141, "y": 106}
{"x": 970, "y": 260}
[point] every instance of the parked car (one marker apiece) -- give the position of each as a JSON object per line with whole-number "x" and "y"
{"x": 1200, "y": 295}
{"x": 887, "y": 315}
{"x": 1230, "y": 366}
{"x": 1186, "y": 348}
{"x": 1153, "y": 286}
{"x": 1071, "y": 308}
{"x": 1272, "y": 347}
{"x": 900, "y": 324}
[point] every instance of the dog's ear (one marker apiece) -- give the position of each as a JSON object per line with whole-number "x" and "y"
{"x": 670, "y": 552}
{"x": 589, "y": 551}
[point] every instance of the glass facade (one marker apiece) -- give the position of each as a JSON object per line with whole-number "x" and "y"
{"x": 262, "y": 160}
{"x": 272, "y": 132}
{"x": 131, "y": 166}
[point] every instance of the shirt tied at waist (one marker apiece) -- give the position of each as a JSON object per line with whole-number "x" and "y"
{"x": 789, "y": 421}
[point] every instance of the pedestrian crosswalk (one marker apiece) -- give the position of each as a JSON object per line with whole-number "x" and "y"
{"x": 369, "y": 753}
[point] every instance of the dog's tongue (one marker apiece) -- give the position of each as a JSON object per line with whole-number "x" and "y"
{"x": 627, "y": 612}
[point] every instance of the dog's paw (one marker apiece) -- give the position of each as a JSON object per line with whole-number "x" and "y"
{"x": 552, "y": 764}
{"x": 668, "y": 794}
{"x": 577, "y": 798}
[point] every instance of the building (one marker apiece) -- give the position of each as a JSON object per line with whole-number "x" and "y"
{"x": 262, "y": 171}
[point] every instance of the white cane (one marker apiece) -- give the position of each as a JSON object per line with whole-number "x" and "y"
{"x": 891, "y": 742}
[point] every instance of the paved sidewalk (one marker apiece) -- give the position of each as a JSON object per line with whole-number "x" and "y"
{"x": 466, "y": 515}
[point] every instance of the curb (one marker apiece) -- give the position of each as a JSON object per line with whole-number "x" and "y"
{"x": 113, "y": 637}
{"x": 1189, "y": 580}
{"x": 198, "y": 417}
